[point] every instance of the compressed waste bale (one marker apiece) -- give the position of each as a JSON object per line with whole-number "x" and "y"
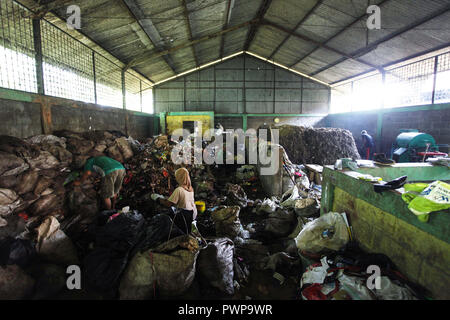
{"x": 321, "y": 146}
{"x": 15, "y": 284}
{"x": 53, "y": 244}
{"x": 28, "y": 182}
{"x": 215, "y": 265}
{"x": 170, "y": 267}
{"x": 227, "y": 221}
{"x": 45, "y": 160}
{"x": 329, "y": 232}
{"x": 113, "y": 244}
{"x": 124, "y": 148}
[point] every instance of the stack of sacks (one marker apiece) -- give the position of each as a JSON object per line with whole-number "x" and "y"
{"x": 31, "y": 179}
{"x": 97, "y": 143}
{"x": 33, "y": 173}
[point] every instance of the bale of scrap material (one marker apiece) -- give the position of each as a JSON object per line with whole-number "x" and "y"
{"x": 321, "y": 146}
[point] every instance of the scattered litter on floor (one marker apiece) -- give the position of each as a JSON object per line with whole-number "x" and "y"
{"x": 243, "y": 245}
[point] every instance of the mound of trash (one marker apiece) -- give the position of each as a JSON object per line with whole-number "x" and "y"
{"x": 322, "y": 146}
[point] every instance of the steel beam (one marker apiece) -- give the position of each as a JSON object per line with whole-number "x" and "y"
{"x": 189, "y": 30}
{"x": 313, "y": 9}
{"x": 254, "y": 28}
{"x": 152, "y": 55}
{"x": 384, "y": 66}
{"x": 226, "y": 23}
{"x": 149, "y": 28}
{"x": 281, "y": 28}
{"x": 337, "y": 34}
{"x": 375, "y": 44}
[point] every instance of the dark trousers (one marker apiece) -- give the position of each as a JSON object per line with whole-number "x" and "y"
{"x": 182, "y": 219}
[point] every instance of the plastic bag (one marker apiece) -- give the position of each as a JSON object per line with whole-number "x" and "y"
{"x": 16, "y": 251}
{"x": 227, "y": 221}
{"x": 53, "y": 244}
{"x": 161, "y": 228}
{"x": 434, "y": 197}
{"x": 15, "y": 284}
{"x": 170, "y": 268}
{"x": 113, "y": 244}
{"x": 280, "y": 223}
{"x": 306, "y": 207}
{"x": 215, "y": 265}
{"x": 327, "y": 232}
{"x": 268, "y": 206}
{"x": 125, "y": 148}
{"x": 391, "y": 291}
{"x": 289, "y": 197}
{"x": 355, "y": 287}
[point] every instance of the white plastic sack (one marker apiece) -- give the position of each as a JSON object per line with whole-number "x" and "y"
{"x": 391, "y": 291}
{"x": 315, "y": 274}
{"x": 327, "y": 232}
{"x": 293, "y": 196}
{"x": 268, "y": 206}
{"x": 355, "y": 287}
{"x": 53, "y": 244}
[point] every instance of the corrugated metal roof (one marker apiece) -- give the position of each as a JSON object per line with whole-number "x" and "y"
{"x": 326, "y": 39}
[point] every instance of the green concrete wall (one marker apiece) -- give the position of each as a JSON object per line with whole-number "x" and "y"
{"x": 420, "y": 256}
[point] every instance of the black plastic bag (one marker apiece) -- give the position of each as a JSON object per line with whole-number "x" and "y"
{"x": 160, "y": 228}
{"x": 113, "y": 244}
{"x": 16, "y": 251}
{"x": 215, "y": 265}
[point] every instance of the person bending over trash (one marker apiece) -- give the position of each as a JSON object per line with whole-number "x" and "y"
{"x": 112, "y": 172}
{"x": 182, "y": 197}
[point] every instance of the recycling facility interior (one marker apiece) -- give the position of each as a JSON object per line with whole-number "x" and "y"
{"x": 315, "y": 73}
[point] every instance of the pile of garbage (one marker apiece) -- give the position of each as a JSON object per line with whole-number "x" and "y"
{"x": 322, "y": 146}
{"x": 151, "y": 170}
{"x": 242, "y": 246}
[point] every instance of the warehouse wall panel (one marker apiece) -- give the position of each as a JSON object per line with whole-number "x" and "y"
{"x": 243, "y": 84}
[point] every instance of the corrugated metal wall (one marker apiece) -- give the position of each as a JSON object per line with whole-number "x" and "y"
{"x": 243, "y": 85}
